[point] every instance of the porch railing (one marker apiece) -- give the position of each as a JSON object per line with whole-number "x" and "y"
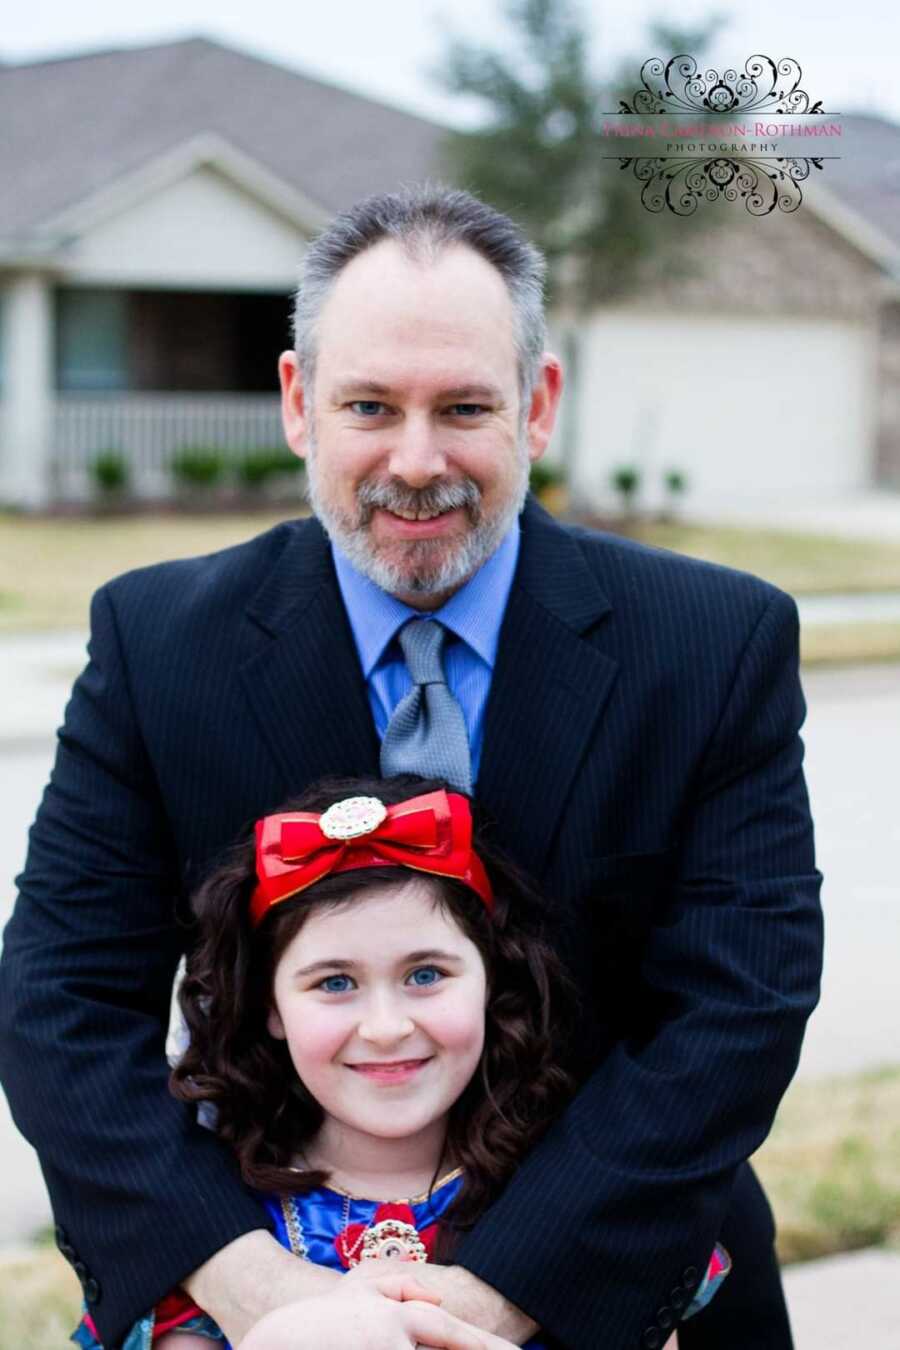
{"x": 147, "y": 430}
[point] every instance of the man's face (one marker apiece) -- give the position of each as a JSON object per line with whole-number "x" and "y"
{"x": 417, "y": 453}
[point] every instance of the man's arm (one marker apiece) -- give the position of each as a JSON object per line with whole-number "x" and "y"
{"x": 635, "y": 1179}
{"x": 141, "y": 1194}
{"x": 249, "y": 1278}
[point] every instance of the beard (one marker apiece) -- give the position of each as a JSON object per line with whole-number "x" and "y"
{"x": 425, "y": 567}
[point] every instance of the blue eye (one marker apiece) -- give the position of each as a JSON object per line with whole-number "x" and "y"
{"x": 335, "y": 984}
{"x": 425, "y": 976}
{"x": 367, "y": 407}
{"x": 468, "y": 409}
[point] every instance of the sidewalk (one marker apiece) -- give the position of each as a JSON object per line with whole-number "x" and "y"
{"x": 36, "y": 675}
{"x": 863, "y": 607}
{"x": 846, "y": 1301}
{"x": 866, "y": 514}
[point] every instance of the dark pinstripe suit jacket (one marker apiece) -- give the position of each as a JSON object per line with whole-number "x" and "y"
{"x": 641, "y": 758}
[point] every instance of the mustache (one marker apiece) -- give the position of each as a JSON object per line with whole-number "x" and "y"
{"x": 397, "y": 496}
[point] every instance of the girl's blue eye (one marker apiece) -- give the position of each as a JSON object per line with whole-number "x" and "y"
{"x": 425, "y": 976}
{"x": 335, "y": 984}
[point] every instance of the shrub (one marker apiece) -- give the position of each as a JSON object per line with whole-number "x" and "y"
{"x": 544, "y": 476}
{"x": 626, "y": 480}
{"x": 286, "y": 461}
{"x": 197, "y": 467}
{"x": 255, "y": 467}
{"x": 110, "y": 472}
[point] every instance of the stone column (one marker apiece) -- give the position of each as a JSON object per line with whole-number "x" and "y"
{"x": 26, "y": 401}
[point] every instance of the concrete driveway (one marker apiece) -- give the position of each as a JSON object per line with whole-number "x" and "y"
{"x": 852, "y": 751}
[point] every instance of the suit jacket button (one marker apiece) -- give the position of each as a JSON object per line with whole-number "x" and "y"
{"x": 60, "y": 1234}
{"x": 652, "y": 1338}
{"x": 690, "y": 1278}
{"x": 91, "y": 1290}
{"x": 664, "y": 1317}
{"x": 677, "y": 1298}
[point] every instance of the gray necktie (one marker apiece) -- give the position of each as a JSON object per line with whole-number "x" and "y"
{"x": 427, "y": 732}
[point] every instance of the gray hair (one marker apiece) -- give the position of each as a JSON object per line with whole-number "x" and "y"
{"x": 426, "y": 219}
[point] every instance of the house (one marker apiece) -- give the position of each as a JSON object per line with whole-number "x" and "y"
{"x": 155, "y": 209}
{"x": 866, "y": 181}
{"x": 764, "y": 365}
{"x": 157, "y": 203}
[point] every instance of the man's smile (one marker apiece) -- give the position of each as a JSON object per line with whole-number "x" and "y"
{"x": 409, "y": 525}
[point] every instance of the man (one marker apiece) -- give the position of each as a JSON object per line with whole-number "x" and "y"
{"x": 630, "y": 726}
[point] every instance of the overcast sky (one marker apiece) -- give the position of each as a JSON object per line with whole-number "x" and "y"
{"x": 391, "y": 49}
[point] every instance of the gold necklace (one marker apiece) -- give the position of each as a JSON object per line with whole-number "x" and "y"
{"x": 345, "y": 1220}
{"x": 389, "y": 1239}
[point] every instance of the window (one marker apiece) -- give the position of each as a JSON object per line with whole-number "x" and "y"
{"x": 92, "y": 339}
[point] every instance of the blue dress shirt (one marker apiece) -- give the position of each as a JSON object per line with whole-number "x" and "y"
{"x": 472, "y": 615}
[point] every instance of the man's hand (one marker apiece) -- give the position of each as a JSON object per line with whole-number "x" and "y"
{"x": 464, "y": 1295}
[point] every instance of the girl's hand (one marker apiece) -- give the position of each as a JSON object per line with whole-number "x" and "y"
{"x": 382, "y": 1275}
{"x": 381, "y": 1316}
{"x": 436, "y": 1284}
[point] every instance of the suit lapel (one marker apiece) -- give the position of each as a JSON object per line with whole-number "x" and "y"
{"x": 548, "y": 689}
{"x": 306, "y": 686}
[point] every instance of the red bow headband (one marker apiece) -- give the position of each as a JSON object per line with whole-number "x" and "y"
{"x": 431, "y": 833}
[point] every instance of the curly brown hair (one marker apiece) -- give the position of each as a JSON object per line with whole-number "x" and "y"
{"x": 263, "y": 1109}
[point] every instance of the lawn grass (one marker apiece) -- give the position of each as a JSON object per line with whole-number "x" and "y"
{"x": 40, "y": 1301}
{"x": 49, "y": 567}
{"x": 831, "y": 1167}
{"x": 803, "y": 564}
{"x": 849, "y": 643}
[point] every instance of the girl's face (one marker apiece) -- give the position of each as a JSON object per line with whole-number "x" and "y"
{"x": 382, "y": 1003}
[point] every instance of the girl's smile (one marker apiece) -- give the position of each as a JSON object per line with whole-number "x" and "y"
{"x": 397, "y": 1072}
{"x": 382, "y": 1004}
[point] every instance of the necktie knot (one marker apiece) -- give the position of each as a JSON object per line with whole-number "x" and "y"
{"x": 427, "y": 732}
{"x": 422, "y": 641}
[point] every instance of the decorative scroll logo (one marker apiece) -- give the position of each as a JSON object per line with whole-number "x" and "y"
{"x": 763, "y": 183}
{"x": 694, "y": 163}
{"x": 676, "y": 87}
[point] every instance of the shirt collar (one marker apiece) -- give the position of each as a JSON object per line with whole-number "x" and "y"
{"x": 474, "y": 613}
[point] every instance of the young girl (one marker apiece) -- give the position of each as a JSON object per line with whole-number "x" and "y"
{"x": 381, "y": 1029}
